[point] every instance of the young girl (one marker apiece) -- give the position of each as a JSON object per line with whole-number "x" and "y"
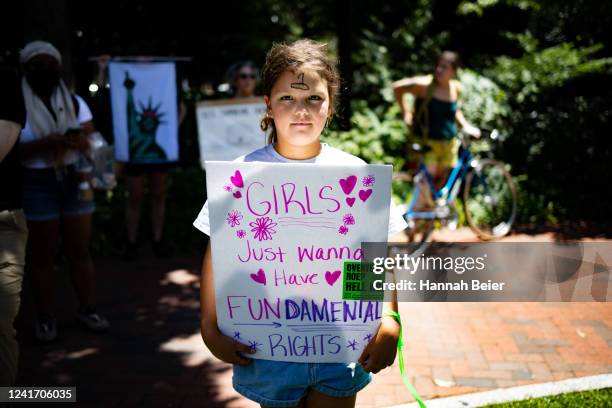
{"x": 436, "y": 113}
{"x": 300, "y": 87}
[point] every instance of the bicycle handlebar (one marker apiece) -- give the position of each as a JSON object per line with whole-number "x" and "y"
{"x": 420, "y": 148}
{"x": 484, "y": 134}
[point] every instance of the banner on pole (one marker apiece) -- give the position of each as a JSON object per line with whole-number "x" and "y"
{"x": 144, "y": 106}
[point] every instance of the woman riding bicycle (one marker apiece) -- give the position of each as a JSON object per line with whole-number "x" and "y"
{"x": 435, "y": 115}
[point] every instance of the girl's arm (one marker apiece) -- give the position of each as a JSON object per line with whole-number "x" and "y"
{"x": 467, "y": 128}
{"x": 414, "y": 86}
{"x": 222, "y": 347}
{"x": 460, "y": 119}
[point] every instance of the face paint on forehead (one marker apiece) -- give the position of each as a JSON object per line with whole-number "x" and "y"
{"x": 301, "y": 84}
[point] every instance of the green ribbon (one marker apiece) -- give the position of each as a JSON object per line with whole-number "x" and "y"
{"x": 400, "y": 344}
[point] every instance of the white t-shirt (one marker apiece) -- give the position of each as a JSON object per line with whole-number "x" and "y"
{"x": 328, "y": 155}
{"x": 71, "y": 156}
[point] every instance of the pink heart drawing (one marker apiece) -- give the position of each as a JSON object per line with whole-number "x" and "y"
{"x": 237, "y": 194}
{"x": 332, "y": 277}
{"x": 350, "y": 201}
{"x": 236, "y": 179}
{"x": 348, "y": 184}
{"x": 259, "y": 277}
{"x": 365, "y": 194}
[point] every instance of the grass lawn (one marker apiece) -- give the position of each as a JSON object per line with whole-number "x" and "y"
{"x": 587, "y": 399}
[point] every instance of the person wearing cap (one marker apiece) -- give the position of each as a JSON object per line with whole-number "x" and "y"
{"x": 55, "y": 195}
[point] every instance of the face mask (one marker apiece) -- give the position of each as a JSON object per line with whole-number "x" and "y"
{"x": 43, "y": 82}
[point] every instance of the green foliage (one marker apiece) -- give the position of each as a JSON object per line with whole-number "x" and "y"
{"x": 558, "y": 109}
{"x": 373, "y": 138}
{"x": 531, "y": 74}
{"x": 479, "y": 6}
{"x": 386, "y": 53}
{"x": 594, "y": 399}
{"x": 482, "y": 101}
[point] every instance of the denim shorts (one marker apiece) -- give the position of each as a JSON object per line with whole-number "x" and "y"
{"x": 48, "y": 197}
{"x": 284, "y": 384}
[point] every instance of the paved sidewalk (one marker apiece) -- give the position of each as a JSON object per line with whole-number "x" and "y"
{"x": 154, "y": 355}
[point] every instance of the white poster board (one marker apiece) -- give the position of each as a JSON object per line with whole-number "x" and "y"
{"x": 280, "y": 234}
{"x": 229, "y": 128}
{"x": 144, "y": 106}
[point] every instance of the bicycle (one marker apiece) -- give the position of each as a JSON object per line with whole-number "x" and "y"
{"x": 489, "y": 197}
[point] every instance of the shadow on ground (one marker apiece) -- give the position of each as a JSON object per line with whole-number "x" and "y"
{"x": 148, "y": 357}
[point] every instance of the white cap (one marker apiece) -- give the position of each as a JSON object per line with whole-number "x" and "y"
{"x": 35, "y": 48}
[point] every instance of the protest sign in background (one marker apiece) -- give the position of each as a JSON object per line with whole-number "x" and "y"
{"x": 280, "y": 235}
{"x": 230, "y": 128}
{"x": 144, "y": 105}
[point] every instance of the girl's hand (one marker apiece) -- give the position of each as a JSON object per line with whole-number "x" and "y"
{"x": 381, "y": 350}
{"x": 472, "y": 131}
{"x": 225, "y": 348}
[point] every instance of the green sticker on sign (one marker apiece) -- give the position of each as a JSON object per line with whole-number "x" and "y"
{"x": 358, "y": 282}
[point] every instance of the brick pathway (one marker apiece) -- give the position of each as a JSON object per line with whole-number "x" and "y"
{"x": 456, "y": 348}
{"x": 154, "y": 355}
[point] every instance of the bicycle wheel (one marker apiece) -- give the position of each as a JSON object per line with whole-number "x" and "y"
{"x": 489, "y": 199}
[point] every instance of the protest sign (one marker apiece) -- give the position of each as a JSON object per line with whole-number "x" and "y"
{"x": 229, "y": 128}
{"x": 280, "y": 235}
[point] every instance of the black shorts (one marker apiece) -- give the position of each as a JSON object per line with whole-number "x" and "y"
{"x": 136, "y": 170}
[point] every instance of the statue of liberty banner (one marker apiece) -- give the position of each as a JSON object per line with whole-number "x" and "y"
{"x": 142, "y": 126}
{"x": 144, "y": 105}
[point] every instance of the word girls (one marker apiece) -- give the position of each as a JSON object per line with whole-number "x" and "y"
{"x": 283, "y": 199}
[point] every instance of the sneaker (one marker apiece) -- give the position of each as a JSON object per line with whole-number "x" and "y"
{"x": 45, "y": 328}
{"x": 130, "y": 252}
{"x": 91, "y": 320}
{"x": 161, "y": 249}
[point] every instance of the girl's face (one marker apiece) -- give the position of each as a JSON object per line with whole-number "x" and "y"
{"x": 444, "y": 71}
{"x": 299, "y": 104}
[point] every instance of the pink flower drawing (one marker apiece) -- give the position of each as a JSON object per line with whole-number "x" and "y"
{"x": 241, "y": 234}
{"x": 227, "y": 188}
{"x": 368, "y": 181}
{"x": 343, "y": 230}
{"x": 233, "y": 218}
{"x": 348, "y": 219}
{"x": 263, "y": 228}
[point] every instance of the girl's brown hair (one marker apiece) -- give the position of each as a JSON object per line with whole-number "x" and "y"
{"x": 307, "y": 54}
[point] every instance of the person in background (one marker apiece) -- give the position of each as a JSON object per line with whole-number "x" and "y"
{"x": 242, "y": 77}
{"x": 136, "y": 174}
{"x": 13, "y": 230}
{"x": 56, "y": 197}
{"x": 435, "y": 115}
